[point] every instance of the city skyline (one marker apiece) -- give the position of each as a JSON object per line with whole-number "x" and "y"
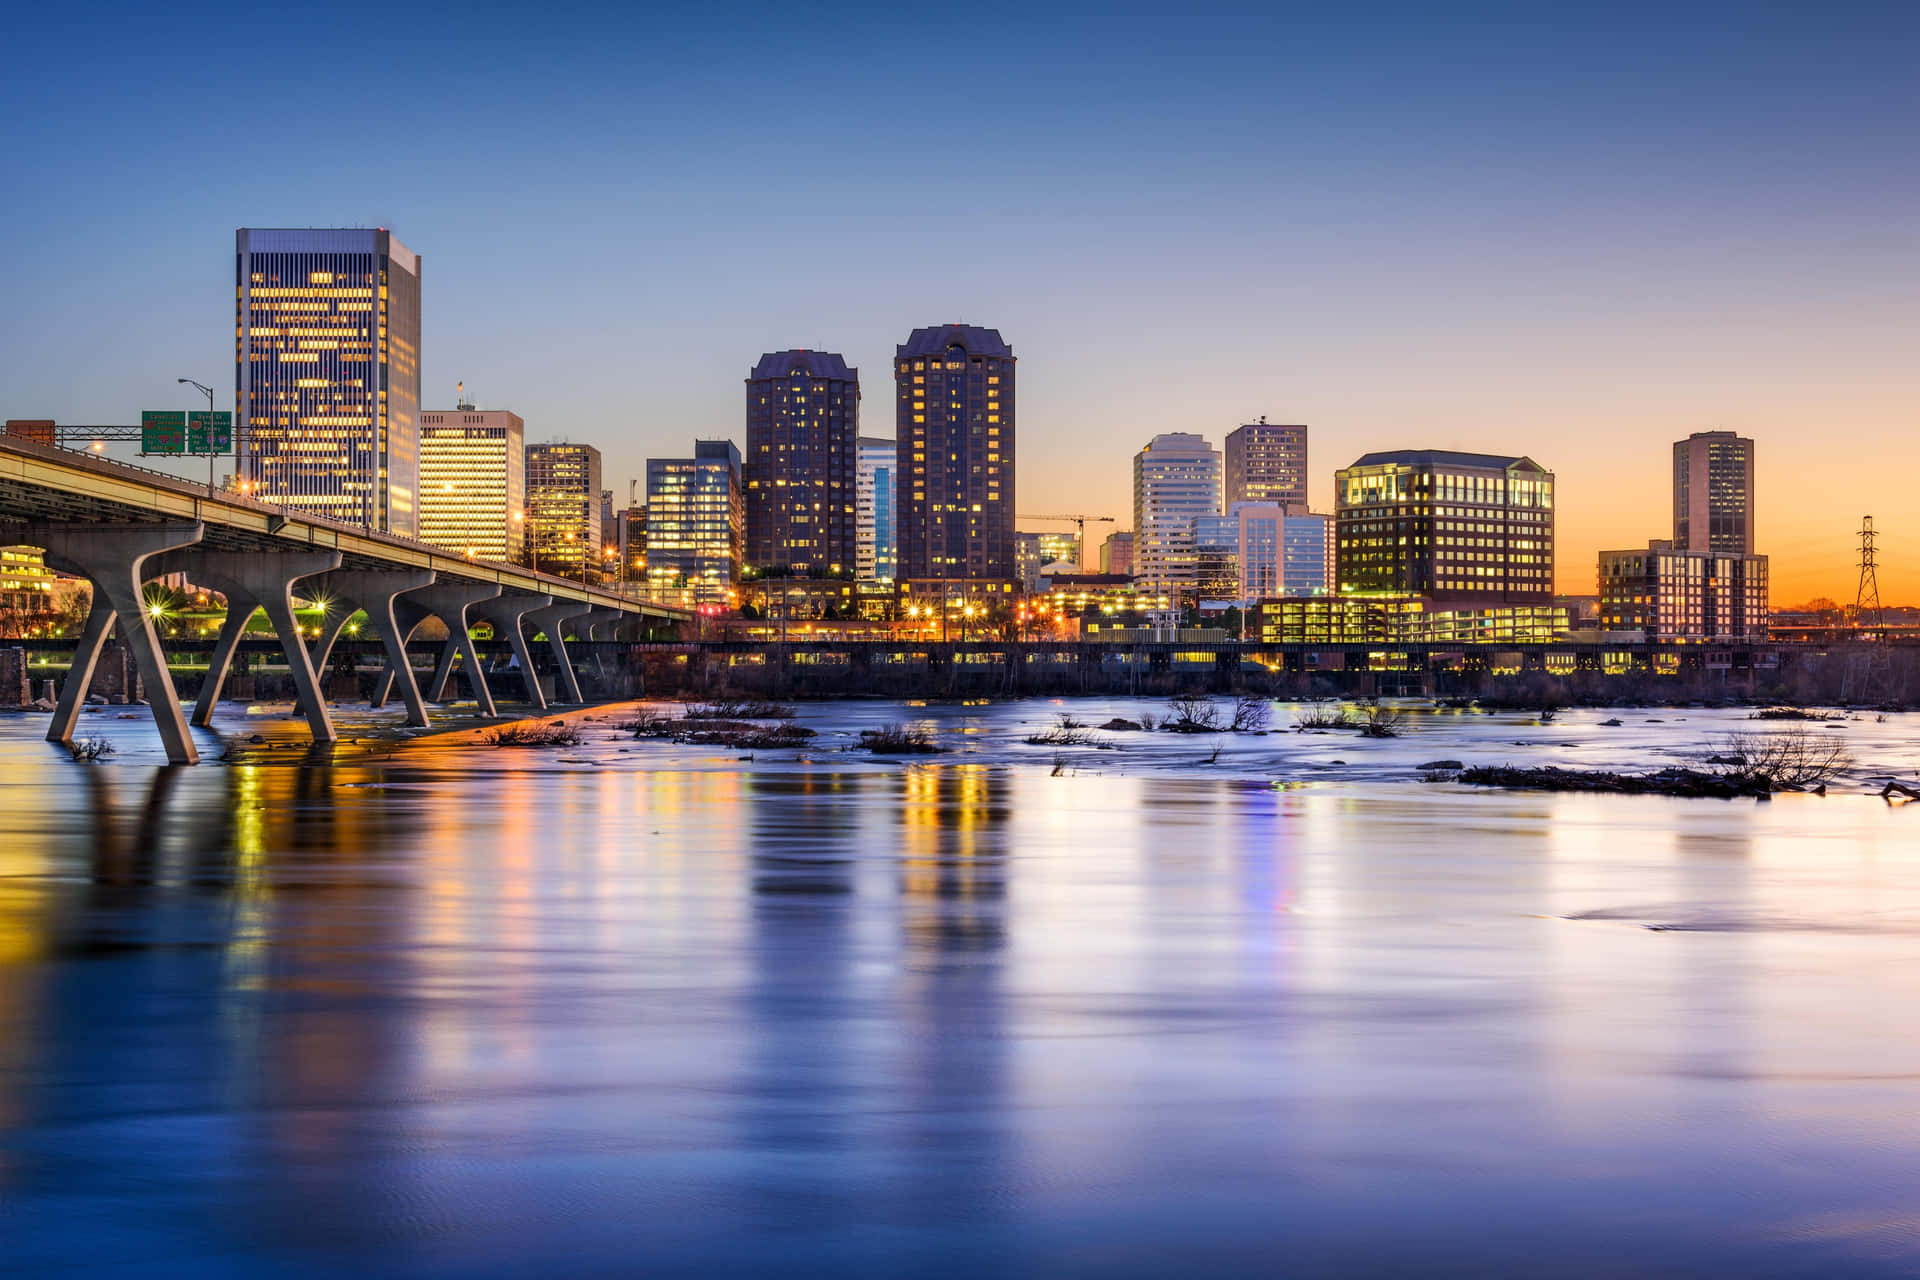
{"x": 1525, "y": 265}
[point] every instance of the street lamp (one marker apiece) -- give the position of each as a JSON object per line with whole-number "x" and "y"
{"x": 206, "y": 391}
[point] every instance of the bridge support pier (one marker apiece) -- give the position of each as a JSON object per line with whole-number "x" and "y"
{"x": 506, "y": 612}
{"x": 597, "y": 619}
{"x": 552, "y": 620}
{"x": 115, "y": 558}
{"x": 374, "y": 592}
{"x": 449, "y": 602}
{"x": 249, "y": 581}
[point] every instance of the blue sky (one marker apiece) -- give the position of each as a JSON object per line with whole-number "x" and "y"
{"x": 1566, "y": 230}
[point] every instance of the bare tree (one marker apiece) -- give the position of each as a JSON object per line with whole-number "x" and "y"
{"x": 1250, "y": 714}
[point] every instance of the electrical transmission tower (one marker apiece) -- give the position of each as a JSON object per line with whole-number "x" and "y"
{"x": 1870, "y": 674}
{"x": 1866, "y": 600}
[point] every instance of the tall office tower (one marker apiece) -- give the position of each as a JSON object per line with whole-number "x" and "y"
{"x": 1713, "y": 493}
{"x": 801, "y": 465}
{"x": 563, "y": 509}
{"x": 473, "y": 482}
{"x": 1176, "y": 480}
{"x": 327, "y": 374}
{"x": 1116, "y": 554}
{"x": 696, "y": 513}
{"x": 954, "y": 406}
{"x": 1457, "y": 528}
{"x": 874, "y": 510}
{"x": 1267, "y": 463}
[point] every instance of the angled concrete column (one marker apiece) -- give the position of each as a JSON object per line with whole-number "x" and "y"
{"x": 602, "y": 618}
{"x": 114, "y": 558}
{"x": 374, "y": 592}
{"x": 506, "y": 612}
{"x": 257, "y": 580}
{"x": 553, "y": 621}
{"x": 453, "y": 603}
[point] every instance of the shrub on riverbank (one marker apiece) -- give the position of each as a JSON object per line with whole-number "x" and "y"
{"x": 898, "y": 739}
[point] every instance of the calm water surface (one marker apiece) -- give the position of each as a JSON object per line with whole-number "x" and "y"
{"x": 433, "y": 1008}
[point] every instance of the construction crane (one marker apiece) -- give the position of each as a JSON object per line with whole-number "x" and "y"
{"x": 1079, "y": 522}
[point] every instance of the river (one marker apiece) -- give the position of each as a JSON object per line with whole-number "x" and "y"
{"x": 432, "y": 1007}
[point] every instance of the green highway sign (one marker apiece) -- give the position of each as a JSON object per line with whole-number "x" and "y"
{"x": 163, "y": 431}
{"x": 197, "y": 441}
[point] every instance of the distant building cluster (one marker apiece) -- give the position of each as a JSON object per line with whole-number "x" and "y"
{"x": 815, "y": 521}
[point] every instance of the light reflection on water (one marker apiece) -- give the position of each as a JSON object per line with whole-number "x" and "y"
{"x": 463, "y": 1011}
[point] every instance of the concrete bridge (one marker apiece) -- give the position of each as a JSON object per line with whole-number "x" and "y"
{"x": 120, "y": 526}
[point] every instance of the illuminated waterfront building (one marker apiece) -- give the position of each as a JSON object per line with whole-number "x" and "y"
{"x": 1267, "y": 463}
{"x": 1176, "y": 480}
{"x": 801, "y": 464}
{"x": 563, "y": 509}
{"x": 876, "y": 558}
{"x": 1396, "y": 619}
{"x": 1713, "y": 493}
{"x": 1461, "y": 529}
{"x": 1667, "y": 593}
{"x": 695, "y": 514}
{"x": 26, "y": 584}
{"x": 473, "y": 482}
{"x": 327, "y": 374}
{"x": 955, "y": 443}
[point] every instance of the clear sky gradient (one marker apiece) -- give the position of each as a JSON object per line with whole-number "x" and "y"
{"x": 1577, "y": 232}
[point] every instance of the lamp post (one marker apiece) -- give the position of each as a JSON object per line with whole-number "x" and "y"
{"x": 206, "y": 391}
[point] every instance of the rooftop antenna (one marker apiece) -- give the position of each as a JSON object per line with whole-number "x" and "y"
{"x": 460, "y": 400}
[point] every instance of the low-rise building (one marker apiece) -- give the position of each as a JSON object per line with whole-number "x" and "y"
{"x": 1671, "y": 595}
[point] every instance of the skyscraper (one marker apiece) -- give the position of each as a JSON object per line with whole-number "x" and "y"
{"x": 801, "y": 465}
{"x": 1267, "y": 463}
{"x": 473, "y": 482}
{"x": 695, "y": 514}
{"x": 1176, "y": 480}
{"x": 954, "y": 406}
{"x": 875, "y": 558}
{"x": 327, "y": 373}
{"x": 563, "y": 509}
{"x": 1457, "y": 528}
{"x": 1713, "y": 493}
{"x": 1116, "y": 554}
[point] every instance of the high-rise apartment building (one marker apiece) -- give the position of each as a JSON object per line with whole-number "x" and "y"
{"x": 1176, "y": 480}
{"x": 1267, "y": 463}
{"x": 801, "y": 464}
{"x": 473, "y": 482}
{"x": 875, "y": 557}
{"x": 954, "y": 409}
{"x": 1669, "y": 594}
{"x": 696, "y": 513}
{"x": 327, "y": 374}
{"x": 1456, "y": 528}
{"x": 1116, "y": 554}
{"x": 563, "y": 509}
{"x": 1713, "y": 493}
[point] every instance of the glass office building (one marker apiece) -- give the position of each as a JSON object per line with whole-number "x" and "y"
{"x": 327, "y": 374}
{"x": 875, "y": 558}
{"x": 695, "y": 518}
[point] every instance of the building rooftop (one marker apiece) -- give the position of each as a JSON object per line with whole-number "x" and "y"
{"x": 821, "y": 364}
{"x": 935, "y": 341}
{"x": 1444, "y": 458}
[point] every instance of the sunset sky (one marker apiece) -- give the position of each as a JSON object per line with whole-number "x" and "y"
{"x": 1574, "y": 232}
